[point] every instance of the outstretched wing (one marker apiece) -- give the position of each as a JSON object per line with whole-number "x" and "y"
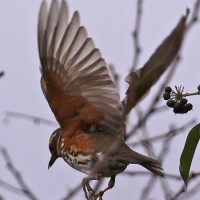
{"x": 141, "y": 81}
{"x": 75, "y": 79}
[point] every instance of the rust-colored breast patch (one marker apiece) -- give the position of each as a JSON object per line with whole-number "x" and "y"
{"x": 76, "y": 140}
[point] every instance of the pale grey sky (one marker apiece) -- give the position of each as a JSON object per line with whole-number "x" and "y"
{"x": 110, "y": 24}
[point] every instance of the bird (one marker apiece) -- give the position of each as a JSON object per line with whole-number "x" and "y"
{"x": 85, "y": 101}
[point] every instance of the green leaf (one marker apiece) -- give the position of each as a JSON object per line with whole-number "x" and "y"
{"x": 188, "y": 152}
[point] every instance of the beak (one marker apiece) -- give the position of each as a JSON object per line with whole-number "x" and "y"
{"x": 52, "y": 160}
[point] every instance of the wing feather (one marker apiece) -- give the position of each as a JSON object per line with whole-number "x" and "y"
{"x": 75, "y": 78}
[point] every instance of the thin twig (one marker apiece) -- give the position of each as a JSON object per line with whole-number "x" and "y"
{"x": 136, "y": 34}
{"x": 167, "y": 175}
{"x": 1, "y": 74}
{"x": 166, "y": 189}
{"x": 37, "y": 120}
{"x": 72, "y": 192}
{"x": 149, "y": 186}
{"x": 173, "y": 131}
{"x": 182, "y": 189}
{"x": 10, "y": 188}
{"x": 165, "y": 150}
{"x": 16, "y": 174}
{"x": 195, "y": 15}
{"x": 188, "y": 194}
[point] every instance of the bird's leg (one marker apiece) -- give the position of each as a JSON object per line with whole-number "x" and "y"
{"x": 86, "y": 186}
{"x": 111, "y": 184}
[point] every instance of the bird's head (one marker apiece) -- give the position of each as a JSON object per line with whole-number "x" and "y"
{"x": 53, "y": 146}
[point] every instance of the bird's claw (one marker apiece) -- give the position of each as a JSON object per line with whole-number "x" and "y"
{"x": 88, "y": 190}
{"x": 99, "y": 195}
{"x": 93, "y": 196}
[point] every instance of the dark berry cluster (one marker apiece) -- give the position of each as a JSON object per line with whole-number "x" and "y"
{"x": 167, "y": 93}
{"x": 176, "y": 100}
{"x": 198, "y": 88}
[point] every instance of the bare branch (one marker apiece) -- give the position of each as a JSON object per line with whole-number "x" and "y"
{"x": 1, "y": 74}
{"x": 136, "y": 34}
{"x": 188, "y": 194}
{"x": 192, "y": 178}
{"x": 37, "y": 120}
{"x": 10, "y": 188}
{"x": 195, "y": 15}
{"x": 72, "y": 192}
{"x": 1, "y": 198}
{"x": 172, "y": 132}
{"x": 16, "y": 174}
{"x": 149, "y": 186}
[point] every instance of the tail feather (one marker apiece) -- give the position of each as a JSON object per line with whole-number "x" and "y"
{"x": 154, "y": 168}
{"x": 149, "y": 163}
{"x": 129, "y": 156}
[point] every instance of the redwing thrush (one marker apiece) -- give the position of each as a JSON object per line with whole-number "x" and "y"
{"x": 84, "y": 100}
